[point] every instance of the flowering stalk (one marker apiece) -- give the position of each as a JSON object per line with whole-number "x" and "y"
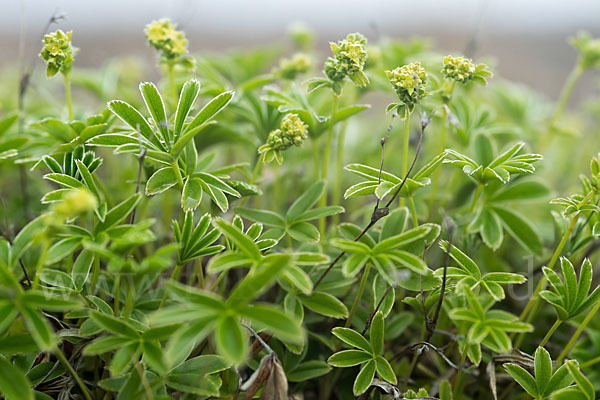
{"x": 59, "y": 54}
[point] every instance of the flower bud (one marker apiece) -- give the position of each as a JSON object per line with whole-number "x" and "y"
{"x": 75, "y": 203}
{"x": 292, "y": 132}
{"x": 409, "y": 83}
{"x": 302, "y": 36}
{"x": 349, "y": 57}
{"x": 163, "y": 36}
{"x": 58, "y": 52}
{"x": 589, "y": 49}
{"x": 463, "y": 70}
{"x": 459, "y": 69}
{"x": 290, "y": 68}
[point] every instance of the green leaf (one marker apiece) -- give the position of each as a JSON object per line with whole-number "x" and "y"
{"x": 211, "y": 109}
{"x": 300, "y": 279}
{"x": 520, "y": 229}
{"x": 231, "y": 340}
{"x": 522, "y": 190}
{"x": 376, "y": 331}
{"x": 40, "y": 329}
{"x": 560, "y": 380}
{"x": 239, "y": 239}
{"x": 320, "y": 212}
{"x": 385, "y": 371}
{"x": 265, "y": 217}
{"x": 13, "y": 383}
{"x": 87, "y": 178}
{"x": 462, "y": 260}
{"x": 401, "y": 240}
{"x": 81, "y": 268}
{"x": 543, "y": 369}
{"x": 191, "y": 195}
{"x": 135, "y": 120}
{"x": 275, "y": 321}
{"x": 324, "y": 304}
{"x": 490, "y": 229}
{"x": 304, "y": 232}
{"x": 112, "y": 140}
{"x": 156, "y": 107}
{"x": 349, "y": 358}
{"x": 353, "y": 338}
{"x": 307, "y": 200}
{"x": 582, "y": 382}
{"x": 115, "y": 325}
{"x": 160, "y": 181}
{"x": 105, "y": 344}
{"x": 523, "y": 378}
{"x": 308, "y": 370}
{"x": 118, "y": 213}
{"x": 64, "y": 180}
{"x": 153, "y": 357}
{"x": 258, "y": 280}
{"x": 187, "y": 97}
{"x": 364, "y": 378}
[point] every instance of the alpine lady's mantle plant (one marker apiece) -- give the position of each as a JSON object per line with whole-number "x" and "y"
{"x": 186, "y": 264}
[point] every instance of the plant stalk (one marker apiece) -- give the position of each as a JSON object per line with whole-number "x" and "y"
{"x": 174, "y": 277}
{"x": 68, "y": 95}
{"x": 577, "y": 333}
{"x": 361, "y": 289}
{"x": 63, "y": 360}
{"x": 554, "y": 327}
{"x": 326, "y": 156}
{"x": 405, "y": 148}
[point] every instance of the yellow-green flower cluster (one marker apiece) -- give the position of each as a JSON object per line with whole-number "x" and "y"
{"x": 409, "y": 82}
{"x": 349, "y": 57}
{"x": 589, "y": 49}
{"x": 459, "y": 69}
{"x": 292, "y": 132}
{"x": 74, "y": 203}
{"x": 58, "y": 52}
{"x": 290, "y": 68}
{"x": 164, "y": 37}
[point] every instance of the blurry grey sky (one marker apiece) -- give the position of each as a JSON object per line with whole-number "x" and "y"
{"x": 514, "y": 31}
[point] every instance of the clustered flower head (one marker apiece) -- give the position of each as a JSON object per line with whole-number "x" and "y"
{"x": 164, "y": 37}
{"x": 76, "y": 202}
{"x": 349, "y": 57}
{"x": 463, "y": 70}
{"x": 292, "y": 132}
{"x": 589, "y": 49}
{"x": 290, "y": 68}
{"x": 458, "y": 68}
{"x": 58, "y": 52}
{"x": 409, "y": 83}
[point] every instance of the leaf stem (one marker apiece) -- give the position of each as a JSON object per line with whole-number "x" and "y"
{"x": 361, "y": 289}
{"x": 476, "y": 197}
{"x": 554, "y": 327}
{"x": 174, "y": 276}
{"x": 63, "y": 360}
{"x": 326, "y": 156}
{"x": 577, "y": 333}
{"x": 458, "y": 379}
{"x": 171, "y": 74}
{"x": 339, "y": 166}
{"x": 413, "y": 210}
{"x": 175, "y": 165}
{"x": 406, "y": 147}
{"x": 68, "y": 95}
{"x": 441, "y": 147}
{"x": 95, "y": 274}
{"x": 565, "y": 94}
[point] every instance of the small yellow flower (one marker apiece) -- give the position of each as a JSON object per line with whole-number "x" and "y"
{"x": 58, "y": 52}
{"x": 406, "y": 80}
{"x": 164, "y": 37}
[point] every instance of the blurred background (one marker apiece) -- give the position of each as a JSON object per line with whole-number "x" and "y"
{"x": 526, "y": 38}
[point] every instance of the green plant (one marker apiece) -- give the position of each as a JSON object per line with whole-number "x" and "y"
{"x": 186, "y": 264}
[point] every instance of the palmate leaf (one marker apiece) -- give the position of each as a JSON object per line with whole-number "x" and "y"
{"x": 485, "y": 169}
{"x": 569, "y": 296}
